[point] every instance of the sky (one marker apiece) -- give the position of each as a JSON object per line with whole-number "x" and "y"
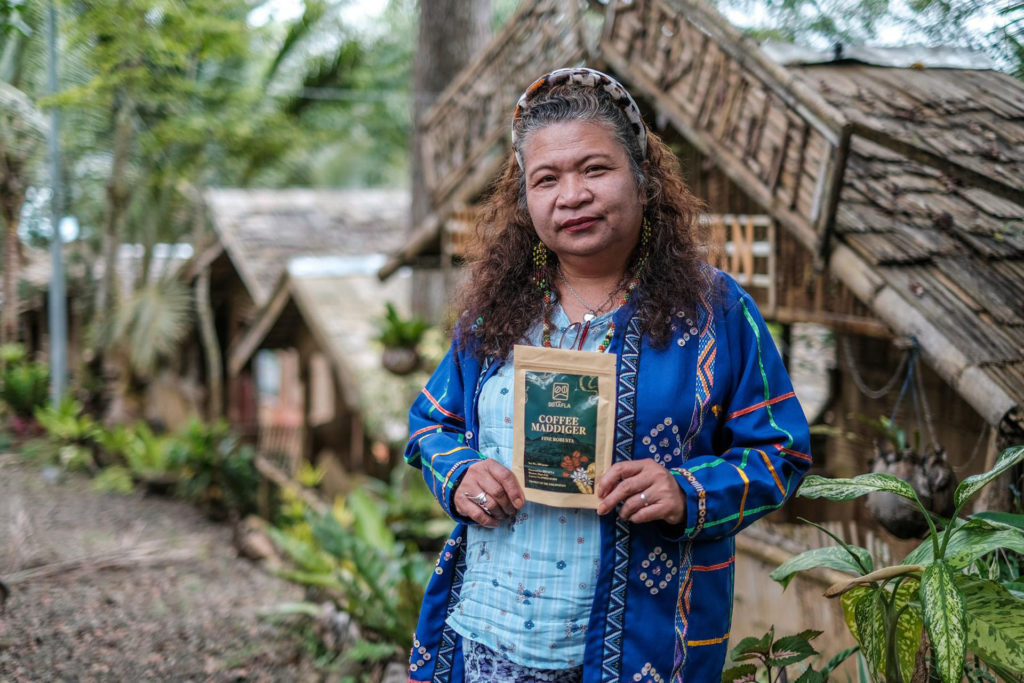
{"x": 355, "y": 12}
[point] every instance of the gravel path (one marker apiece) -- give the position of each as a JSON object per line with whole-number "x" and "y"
{"x": 130, "y": 588}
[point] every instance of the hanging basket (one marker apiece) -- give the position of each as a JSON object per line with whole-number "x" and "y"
{"x": 400, "y": 360}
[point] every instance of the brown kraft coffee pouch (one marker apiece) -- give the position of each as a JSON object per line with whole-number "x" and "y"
{"x": 564, "y": 423}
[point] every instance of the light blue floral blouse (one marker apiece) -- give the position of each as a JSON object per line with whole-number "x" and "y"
{"x": 529, "y": 583}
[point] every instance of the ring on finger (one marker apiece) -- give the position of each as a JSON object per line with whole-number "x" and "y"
{"x": 480, "y": 498}
{"x": 643, "y": 499}
{"x": 486, "y": 510}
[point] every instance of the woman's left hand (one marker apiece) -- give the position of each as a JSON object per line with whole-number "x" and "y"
{"x": 647, "y": 491}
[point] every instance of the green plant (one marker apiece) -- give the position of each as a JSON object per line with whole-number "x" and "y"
{"x": 762, "y": 657}
{"x": 935, "y": 591}
{"x": 354, "y": 557}
{"x": 410, "y": 509}
{"x": 12, "y": 354}
{"x": 218, "y": 471}
{"x": 114, "y": 479}
{"x": 25, "y": 384}
{"x": 397, "y": 332}
{"x": 70, "y": 434}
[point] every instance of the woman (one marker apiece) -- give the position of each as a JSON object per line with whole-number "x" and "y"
{"x": 589, "y": 242}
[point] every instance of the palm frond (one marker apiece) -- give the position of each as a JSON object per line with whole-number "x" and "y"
{"x": 151, "y": 322}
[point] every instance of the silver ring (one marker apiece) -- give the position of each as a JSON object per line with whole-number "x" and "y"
{"x": 643, "y": 499}
{"x": 480, "y": 498}
{"x": 486, "y": 510}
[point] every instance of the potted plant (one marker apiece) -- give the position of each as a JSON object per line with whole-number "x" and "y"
{"x": 400, "y": 338}
{"x": 948, "y": 597}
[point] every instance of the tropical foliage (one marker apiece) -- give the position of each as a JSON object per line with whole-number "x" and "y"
{"x": 204, "y": 463}
{"x": 364, "y": 555}
{"x": 945, "y": 589}
{"x": 768, "y": 658}
{"x": 24, "y": 384}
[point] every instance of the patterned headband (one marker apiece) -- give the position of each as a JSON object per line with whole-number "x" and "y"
{"x": 589, "y": 78}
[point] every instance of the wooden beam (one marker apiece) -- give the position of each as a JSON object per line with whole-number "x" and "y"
{"x": 782, "y": 82}
{"x": 240, "y": 353}
{"x": 429, "y": 230}
{"x": 833, "y": 192}
{"x": 725, "y": 158}
{"x": 275, "y": 475}
{"x": 971, "y": 382}
{"x": 840, "y": 322}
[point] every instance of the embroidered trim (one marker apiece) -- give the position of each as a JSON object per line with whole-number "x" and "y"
{"x": 713, "y": 567}
{"x": 795, "y": 454}
{"x": 705, "y": 381}
{"x": 625, "y": 423}
{"x": 446, "y": 651}
{"x": 762, "y": 404}
{"x": 702, "y": 504}
{"x": 444, "y": 484}
{"x": 437, "y": 405}
{"x": 709, "y": 641}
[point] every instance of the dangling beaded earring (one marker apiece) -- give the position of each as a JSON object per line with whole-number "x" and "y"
{"x": 540, "y": 266}
{"x": 645, "y": 246}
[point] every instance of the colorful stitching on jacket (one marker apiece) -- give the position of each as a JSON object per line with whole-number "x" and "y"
{"x": 625, "y": 433}
{"x": 446, "y": 653}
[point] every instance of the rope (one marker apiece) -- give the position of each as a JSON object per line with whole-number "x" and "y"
{"x": 873, "y": 394}
{"x": 927, "y": 411}
{"x": 906, "y": 385}
{"x": 977, "y": 447}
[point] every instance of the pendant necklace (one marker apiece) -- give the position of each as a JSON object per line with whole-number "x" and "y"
{"x": 591, "y": 310}
{"x": 589, "y": 315}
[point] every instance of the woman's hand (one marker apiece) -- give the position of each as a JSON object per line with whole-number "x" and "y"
{"x": 501, "y": 493}
{"x": 647, "y": 491}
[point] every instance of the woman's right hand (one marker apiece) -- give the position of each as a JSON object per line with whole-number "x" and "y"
{"x": 500, "y": 488}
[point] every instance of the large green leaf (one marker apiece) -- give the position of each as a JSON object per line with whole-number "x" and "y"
{"x": 971, "y": 485}
{"x": 968, "y": 542}
{"x": 815, "y": 486}
{"x": 744, "y": 673}
{"x": 752, "y": 647}
{"x": 995, "y": 623}
{"x": 792, "y": 649}
{"x": 908, "y": 627}
{"x": 369, "y": 523}
{"x": 945, "y": 618}
{"x": 307, "y": 555}
{"x": 832, "y": 557}
{"x": 869, "y": 612}
{"x": 848, "y": 601}
{"x": 1010, "y": 519}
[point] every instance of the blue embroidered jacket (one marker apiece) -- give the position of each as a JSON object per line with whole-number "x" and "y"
{"x": 716, "y": 407}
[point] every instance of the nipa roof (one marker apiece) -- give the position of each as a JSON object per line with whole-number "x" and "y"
{"x": 951, "y": 245}
{"x": 262, "y": 230}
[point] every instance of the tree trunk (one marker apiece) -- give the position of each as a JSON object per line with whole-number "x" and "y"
{"x": 451, "y": 32}
{"x": 208, "y": 334}
{"x": 118, "y": 194}
{"x": 10, "y": 208}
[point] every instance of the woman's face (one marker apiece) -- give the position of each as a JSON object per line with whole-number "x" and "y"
{"x": 581, "y": 194}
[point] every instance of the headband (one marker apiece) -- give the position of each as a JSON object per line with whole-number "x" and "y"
{"x": 588, "y": 78}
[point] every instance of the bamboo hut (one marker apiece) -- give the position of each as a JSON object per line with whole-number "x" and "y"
{"x": 877, "y": 193}
{"x": 284, "y": 274}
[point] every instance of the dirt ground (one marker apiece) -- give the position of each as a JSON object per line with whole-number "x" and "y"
{"x": 129, "y": 588}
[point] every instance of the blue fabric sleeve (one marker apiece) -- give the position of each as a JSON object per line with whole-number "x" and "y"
{"x": 438, "y": 443}
{"x": 762, "y": 443}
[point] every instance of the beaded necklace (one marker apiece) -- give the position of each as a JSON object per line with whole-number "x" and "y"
{"x": 603, "y": 346}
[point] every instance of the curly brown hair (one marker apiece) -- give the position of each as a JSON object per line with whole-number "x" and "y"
{"x": 501, "y": 300}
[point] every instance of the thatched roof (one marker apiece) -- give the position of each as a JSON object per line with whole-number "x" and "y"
{"x": 339, "y": 299}
{"x": 906, "y": 182}
{"x": 262, "y": 230}
{"x": 948, "y": 245}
